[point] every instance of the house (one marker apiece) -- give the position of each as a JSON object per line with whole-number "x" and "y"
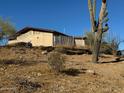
{"x": 42, "y": 37}
{"x": 79, "y": 41}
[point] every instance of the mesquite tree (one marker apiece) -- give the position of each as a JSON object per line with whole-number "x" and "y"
{"x": 6, "y": 28}
{"x": 98, "y": 26}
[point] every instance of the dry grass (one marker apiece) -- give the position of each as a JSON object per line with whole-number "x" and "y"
{"x": 56, "y": 61}
{"x": 109, "y": 77}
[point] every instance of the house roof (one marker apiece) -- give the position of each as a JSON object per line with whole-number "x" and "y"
{"x": 26, "y": 29}
{"x": 79, "y": 37}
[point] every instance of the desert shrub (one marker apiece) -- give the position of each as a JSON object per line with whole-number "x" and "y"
{"x": 105, "y": 48}
{"x": 26, "y": 86}
{"x": 48, "y": 49}
{"x": 20, "y": 44}
{"x": 90, "y": 37}
{"x": 56, "y": 61}
{"x": 90, "y": 40}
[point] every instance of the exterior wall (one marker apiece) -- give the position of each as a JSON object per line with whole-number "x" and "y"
{"x": 36, "y": 38}
{"x": 79, "y": 42}
{"x": 61, "y": 40}
{"x": 12, "y": 41}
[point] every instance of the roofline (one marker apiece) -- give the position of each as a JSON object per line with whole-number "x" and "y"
{"x": 39, "y": 29}
{"x": 79, "y": 37}
{"x": 26, "y": 29}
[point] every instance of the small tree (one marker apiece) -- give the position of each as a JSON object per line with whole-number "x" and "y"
{"x": 6, "y": 29}
{"x": 98, "y": 27}
{"x": 114, "y": 41}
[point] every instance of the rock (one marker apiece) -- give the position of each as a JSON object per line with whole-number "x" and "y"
{"x": 90, "y": 71}
{"x": 2, "y": 69}
{"x": 44, "y": 52}
{"x": 39, "y": 74}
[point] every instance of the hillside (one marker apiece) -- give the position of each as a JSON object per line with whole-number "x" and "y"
{"x": 25, "y": 70}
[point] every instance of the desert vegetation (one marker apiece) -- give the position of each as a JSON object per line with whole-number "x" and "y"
{"x": 6, "y": 28}
{"x": 28, "y": 70}
{"x": 56, "y": 62}
{"x": 99, "y": 26}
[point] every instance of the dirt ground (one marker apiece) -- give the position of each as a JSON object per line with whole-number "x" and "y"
{"x": 26, "y": 71}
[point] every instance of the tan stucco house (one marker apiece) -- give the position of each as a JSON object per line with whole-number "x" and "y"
{"x": 42, "y": 37}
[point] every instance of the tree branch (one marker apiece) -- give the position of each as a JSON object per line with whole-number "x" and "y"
{"x": 94, "y": 8}
{"x": 91, "y": 15}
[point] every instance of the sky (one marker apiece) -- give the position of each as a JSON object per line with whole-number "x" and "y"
{"x": 67, "y": 16}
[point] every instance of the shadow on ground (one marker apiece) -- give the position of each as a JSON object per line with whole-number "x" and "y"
{"x": 72, "y": 72}
{"x": 115, "y": 61}
{"x": 19, "y": 62}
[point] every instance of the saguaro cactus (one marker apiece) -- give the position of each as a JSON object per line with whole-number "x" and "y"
{"x": 98, "y": 27}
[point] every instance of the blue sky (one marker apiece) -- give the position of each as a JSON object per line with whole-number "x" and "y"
{"x": 67, "y": 16}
